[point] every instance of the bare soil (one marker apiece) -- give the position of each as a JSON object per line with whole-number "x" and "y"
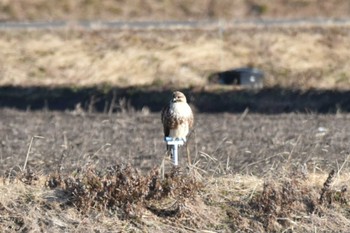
{"x": 232, "y": 143}
{"x": 240, "y": 172}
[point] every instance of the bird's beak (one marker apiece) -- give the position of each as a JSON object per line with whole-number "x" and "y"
{"x": 174, "y": 100}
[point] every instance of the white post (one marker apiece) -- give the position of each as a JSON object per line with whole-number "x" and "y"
{"x": 175, "y": 155}
{"x": 174, "y": 143}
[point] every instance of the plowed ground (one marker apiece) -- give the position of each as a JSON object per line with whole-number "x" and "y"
{"x": 220, "y": 143}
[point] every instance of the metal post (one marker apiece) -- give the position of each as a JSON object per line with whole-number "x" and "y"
{"x": 175, "y": 155}
{"x": 174, "y": 143}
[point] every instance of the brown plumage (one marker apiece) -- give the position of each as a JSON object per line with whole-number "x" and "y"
{"x": 177, "y": 117}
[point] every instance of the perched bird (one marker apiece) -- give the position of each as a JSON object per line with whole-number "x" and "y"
{"x": 177, "y": 117}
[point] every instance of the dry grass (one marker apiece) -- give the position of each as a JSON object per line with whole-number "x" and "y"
{"x": 203, "y": 196}
{"x": 119, "y": 199}
{"x": 306, "y": 57}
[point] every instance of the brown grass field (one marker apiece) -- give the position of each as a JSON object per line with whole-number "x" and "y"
{"x": 303, "y": 57}
{"x": 80, "y": 171}
{"x": 270, "y": 163}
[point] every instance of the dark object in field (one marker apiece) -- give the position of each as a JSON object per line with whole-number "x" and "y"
{"x": 248, "y": 77}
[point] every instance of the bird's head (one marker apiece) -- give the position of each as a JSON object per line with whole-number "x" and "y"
{"x": 178, "y": 97}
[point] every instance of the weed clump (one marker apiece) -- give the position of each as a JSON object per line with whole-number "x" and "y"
{"x": 287, "y": 204}
{"x": 147, "y": 202}
{"x": 121, "y": 189}
{"x": 27, "y": 176}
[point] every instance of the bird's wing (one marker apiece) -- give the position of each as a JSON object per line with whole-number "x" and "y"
{"x": 191, "y": 120}
{"x": 165, "y": 120}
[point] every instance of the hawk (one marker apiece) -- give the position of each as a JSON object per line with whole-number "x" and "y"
{"x": 177, "y": 117}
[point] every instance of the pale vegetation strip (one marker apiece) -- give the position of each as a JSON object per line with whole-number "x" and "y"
{"x": 303, "y": 58}
{"x": 226, "y": 203}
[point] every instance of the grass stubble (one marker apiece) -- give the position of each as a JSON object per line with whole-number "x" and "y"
{"x": 120, "y": 198}
{"x": 300, "y": 57}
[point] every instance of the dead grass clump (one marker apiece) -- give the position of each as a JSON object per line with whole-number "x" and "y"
{"x": 275, "y": 204}
{"x": 121, "y": 189}
{"x": 328, "y": 195}
{"x": 289, "y": 204}
{"x": 120, "y": 199}
{"x": 27, "y": 176}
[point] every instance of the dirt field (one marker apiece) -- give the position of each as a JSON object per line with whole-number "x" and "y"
{"x": 222, "y": 143}
{"x": 248, "y": 172}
